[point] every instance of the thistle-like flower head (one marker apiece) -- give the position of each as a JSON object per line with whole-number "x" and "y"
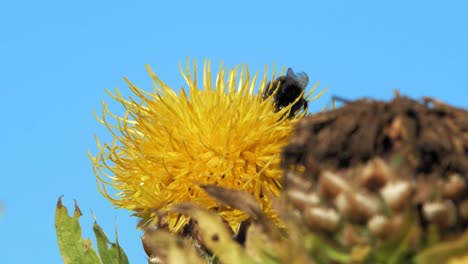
{"x": 168, "y": 143}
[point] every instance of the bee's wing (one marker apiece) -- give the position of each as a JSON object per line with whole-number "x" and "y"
{"x": 301, "y": 77}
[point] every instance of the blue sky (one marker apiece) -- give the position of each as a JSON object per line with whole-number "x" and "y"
{"x": 57, "y": 57}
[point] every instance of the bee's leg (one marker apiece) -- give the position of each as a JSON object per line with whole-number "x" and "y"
{"x": 305, "y": 106}
{"x": 266, "y": 91}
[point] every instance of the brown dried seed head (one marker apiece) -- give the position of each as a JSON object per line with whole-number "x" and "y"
{"x": 325, "y": 219}
{"x": 383, "y": 227}
{"x": 344, "y": 203}
{"x": 375, "y": 175}
{"x": 453, "y": 187}
{"x": 331, "y": 185}
{"x": 350, "y": 236}
{"x": 397, "y": 194}
{"x": 368, "y": 203}
{"x": 356, "y": 207}
{"x": 378, "y": 225}
{"x": 442, "y": 213}
{"x": 463, "y": 210}
{"x": 397, "y": 131}
{"x": 465, "y": 138}
{"x": 427, "y": 187}
{"x": 301, "y": 133}
{"x": 296, "y": 181}
{"x": 302, "y": 199}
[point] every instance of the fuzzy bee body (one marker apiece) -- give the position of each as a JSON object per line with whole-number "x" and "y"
{"x": 286, "y": 90}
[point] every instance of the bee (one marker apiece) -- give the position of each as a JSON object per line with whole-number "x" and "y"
{"x": 286, "y": 89}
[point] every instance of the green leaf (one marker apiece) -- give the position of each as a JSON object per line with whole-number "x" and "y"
{"x": 73, "y": 248}
{"x": 110, "y": 253}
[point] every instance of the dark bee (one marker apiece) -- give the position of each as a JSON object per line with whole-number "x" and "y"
{"x": 286, "y": 89}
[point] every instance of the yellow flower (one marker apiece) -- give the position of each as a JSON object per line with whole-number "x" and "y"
{"x": 167, "y": 143}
